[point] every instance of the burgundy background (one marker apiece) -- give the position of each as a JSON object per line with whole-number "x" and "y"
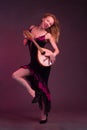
{"x": 68, "y": 79}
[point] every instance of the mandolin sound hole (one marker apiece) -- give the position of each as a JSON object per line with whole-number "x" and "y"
{"x": 43, "y": 52}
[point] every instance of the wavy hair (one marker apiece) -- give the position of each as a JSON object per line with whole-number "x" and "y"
{"x": 55, "y": 28}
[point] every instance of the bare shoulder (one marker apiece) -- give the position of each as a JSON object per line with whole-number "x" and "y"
{"x": 48, "y": 36}
{"x": 31, "y": 27}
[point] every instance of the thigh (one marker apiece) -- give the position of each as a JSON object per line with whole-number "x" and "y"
{"x": 22, "y": 72}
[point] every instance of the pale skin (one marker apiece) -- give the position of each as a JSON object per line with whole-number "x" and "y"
{"x": 36, "y": 32}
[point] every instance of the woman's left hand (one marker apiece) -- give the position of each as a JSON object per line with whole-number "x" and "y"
{"x": 51, "y": 57}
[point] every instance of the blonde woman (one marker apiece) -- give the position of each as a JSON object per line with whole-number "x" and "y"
{"x": 37, "y": 74}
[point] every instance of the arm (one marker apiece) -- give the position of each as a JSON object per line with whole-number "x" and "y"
{"x": 54, "y": 45}
{"x": 25, "y": 38}
{"x": 25, "y": 41}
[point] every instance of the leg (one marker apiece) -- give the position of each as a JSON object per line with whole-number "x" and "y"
{"x": 19, "y": 76}
{"x": 43, "y": 115}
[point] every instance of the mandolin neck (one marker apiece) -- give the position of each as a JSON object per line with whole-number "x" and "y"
{"x": 29, "y": 36}
{"x": 38, "y": 47}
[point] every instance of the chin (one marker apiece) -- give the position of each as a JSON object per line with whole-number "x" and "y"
{"x": 46, "y": 28}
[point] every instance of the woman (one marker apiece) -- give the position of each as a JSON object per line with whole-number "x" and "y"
{"x": 34, "y": 76}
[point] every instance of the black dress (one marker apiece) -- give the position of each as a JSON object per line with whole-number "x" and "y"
{"x": 40, "y": 74}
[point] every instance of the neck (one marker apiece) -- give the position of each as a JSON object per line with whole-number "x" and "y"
{"x": 41, "y": 27}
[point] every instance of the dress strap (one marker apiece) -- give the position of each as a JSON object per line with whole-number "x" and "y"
{"x": 46, "y": 33}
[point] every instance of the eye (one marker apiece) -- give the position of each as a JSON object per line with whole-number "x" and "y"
{"x": 49, "y": 22}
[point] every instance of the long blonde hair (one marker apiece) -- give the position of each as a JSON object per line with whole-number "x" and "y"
{"x": 55, "y": 28}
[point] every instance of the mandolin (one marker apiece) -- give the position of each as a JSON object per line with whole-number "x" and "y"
{"x": 42, "y": 52}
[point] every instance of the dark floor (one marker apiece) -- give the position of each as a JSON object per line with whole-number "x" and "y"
{"x": 56, "y": 121}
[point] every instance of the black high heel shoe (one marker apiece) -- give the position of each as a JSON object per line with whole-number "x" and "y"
{"x": 44, "y": 121}
{"x": 37, "y": 97}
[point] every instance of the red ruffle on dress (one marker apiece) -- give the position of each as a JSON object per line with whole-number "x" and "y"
{"x": 39, "y": 74}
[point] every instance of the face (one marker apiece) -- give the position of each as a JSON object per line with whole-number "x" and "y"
{"x": 47, "y": 22}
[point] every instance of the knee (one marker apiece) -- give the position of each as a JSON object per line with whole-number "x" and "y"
{"x": 14, "y": 75}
